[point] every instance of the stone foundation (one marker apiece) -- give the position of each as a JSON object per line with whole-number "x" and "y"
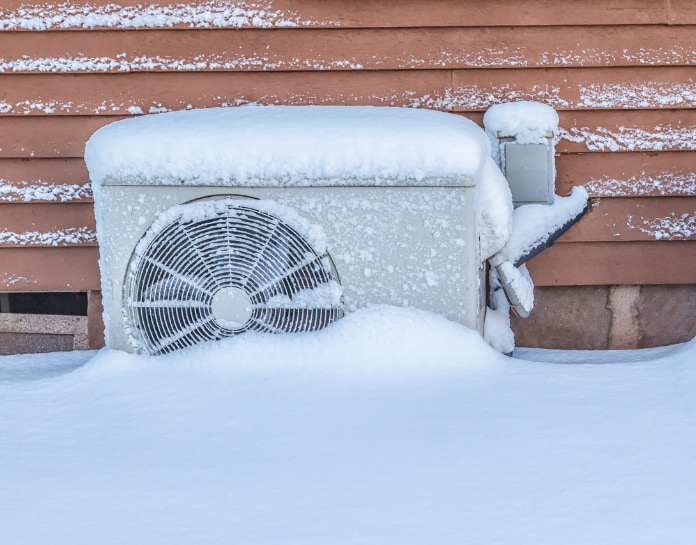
{"x": 608, "y": 317}
{"x": 33, "y": 333}
{"x": 571, "y": 318}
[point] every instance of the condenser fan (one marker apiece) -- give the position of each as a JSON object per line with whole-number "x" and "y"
{"x": 217, "y": 268}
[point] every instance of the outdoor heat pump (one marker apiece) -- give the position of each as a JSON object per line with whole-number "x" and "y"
{"x": 216, "y": 222}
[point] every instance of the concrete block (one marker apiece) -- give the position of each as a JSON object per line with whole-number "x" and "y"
{"x": 666, "y": 315}
{"x": 569, "y": 318}
{"x": 608, "y": 317}
{"x": 34, "y": 333}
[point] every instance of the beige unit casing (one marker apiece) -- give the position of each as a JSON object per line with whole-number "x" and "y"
{"x": 416, "y": 245}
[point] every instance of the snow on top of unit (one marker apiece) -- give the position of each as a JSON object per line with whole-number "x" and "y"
{"x": 289, "y": 146}
{"x": 527, "y": 122}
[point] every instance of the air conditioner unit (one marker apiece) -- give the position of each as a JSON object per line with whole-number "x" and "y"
{"x": 220, "y": 221}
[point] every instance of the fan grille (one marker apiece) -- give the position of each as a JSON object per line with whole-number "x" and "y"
{"x": 236, "y": 269}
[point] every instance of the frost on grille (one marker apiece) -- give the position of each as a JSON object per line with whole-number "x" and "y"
{"x": 223, "y": 270}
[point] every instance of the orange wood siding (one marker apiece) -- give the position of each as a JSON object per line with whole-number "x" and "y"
{"x": 622, "y": 75}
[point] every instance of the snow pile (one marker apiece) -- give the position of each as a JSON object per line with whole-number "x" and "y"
{"x": 533, "y": 223}
{"x": 495, "y": 204}
{"x": 497, "y": 331}
{"x": 510, "y": 287}
{"x": 390, "y": 426}
{"x": 526, "y": 122}
{"x": 289, "y": 145}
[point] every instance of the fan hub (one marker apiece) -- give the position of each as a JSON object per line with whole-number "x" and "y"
{"x": 232, "y": 307}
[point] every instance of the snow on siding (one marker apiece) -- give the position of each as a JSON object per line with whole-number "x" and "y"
{"x": 632, "y": 138}
{"x": 473, "y": 97}
{"x": 664, "y": 184}
{"x": 212, "y": 14}
{"x": 60, "y": 237}
{"x": 49, "y": 107}
{"x": 675, "y": 55}
{"x": 645, "y": 95}
{"x": 28, "y": 192}
{"x": 8, "y": 279}
{"x": 461, "y": 98}
{"x": 121, "y": 63}
{"x": 442, "y": 57}
{"x": 607, "y": 95}
{"x": 672, "y": 227}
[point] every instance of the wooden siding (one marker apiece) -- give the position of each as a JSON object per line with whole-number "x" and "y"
{"x": 622, "y": 76}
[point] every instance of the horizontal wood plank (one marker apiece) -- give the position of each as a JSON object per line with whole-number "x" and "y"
{"x": 592, "y": 89}
{"x": 49, "y": 269}
{"x": 34, "y": 137}
{"x": 37, "y": 14}
{"x": 657, "y": 174}
{"x": 47, "y": 180}
{"x": 608, "y": 263}
{"x": 627, "y": 131}
{"x": 41, "y": 224}
{"x": 342, "y": 49}
{"x": 681, "y": 12}
{"x": 602, "y": 174}
{"x": 618, "y": 131}
{"x": 636, "y": 219}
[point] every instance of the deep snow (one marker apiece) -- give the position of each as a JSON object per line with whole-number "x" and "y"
{"x": 390, "y": 426}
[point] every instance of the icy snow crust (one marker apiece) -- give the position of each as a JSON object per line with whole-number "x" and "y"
{"x": 391, "y": 426}
{"x": 290, "y": 146}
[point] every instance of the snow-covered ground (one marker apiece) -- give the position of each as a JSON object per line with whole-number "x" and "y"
{"x": 391, "y": 426}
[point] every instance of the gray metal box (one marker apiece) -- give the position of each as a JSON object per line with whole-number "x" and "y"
{"x": 529, "y": 172}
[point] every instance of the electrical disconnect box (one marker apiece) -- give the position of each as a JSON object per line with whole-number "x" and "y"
{"x": 529, "y": 169}
{"x": 522, "y": 140}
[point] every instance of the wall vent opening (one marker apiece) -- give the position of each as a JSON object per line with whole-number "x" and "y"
{"x": 52, "y": 303}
